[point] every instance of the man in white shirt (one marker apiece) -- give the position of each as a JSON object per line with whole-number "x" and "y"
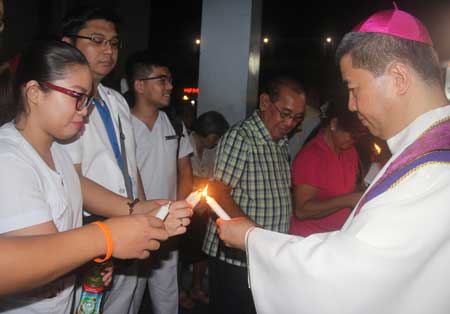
{"x": 163, "y": 160}
{"x": 392, "y": 254}
{"x": 104, "y": 154}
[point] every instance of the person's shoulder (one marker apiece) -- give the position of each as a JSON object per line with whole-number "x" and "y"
{"x": 110, "y": 91}
{"x": 311, "y": 152}
{"x": 118, "y": 98}
{"x": 163, "y": 116}
{"x": 10, "y": 139}
{"x": 314, "y": 146}
{"x": 235, "y": 133}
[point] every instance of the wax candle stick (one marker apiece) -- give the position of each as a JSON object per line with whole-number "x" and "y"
{"x": 194, "y": 198}
{"x": 163, "y": 211}
{"x": 216, "y": 208}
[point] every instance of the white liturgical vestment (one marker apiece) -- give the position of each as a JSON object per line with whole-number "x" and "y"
{"x": 392, "y": 257}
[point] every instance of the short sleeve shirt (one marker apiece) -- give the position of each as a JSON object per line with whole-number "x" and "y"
{"x": 256, "y": 168}
{"x": 156, "y": 155}
{"x": 319, "y": 166}
{"x": 33, "y": 194}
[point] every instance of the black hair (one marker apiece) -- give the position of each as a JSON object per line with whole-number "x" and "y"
{"x": 7, "y": 102}
{"x": 76, "y": 19}
{"x": 337, "y": 109}
{"x": 374, "y": 51}
{"x": 211, "y": 122}
{"x": 139, "y": 65}
{"x": 346, "y": 120}
{"x": 273, "y": 86}
{"x": 43, "y": 61}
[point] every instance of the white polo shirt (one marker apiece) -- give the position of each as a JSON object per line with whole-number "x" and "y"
{"x": 31, "y": 193}
{"x": 156, "y": 156}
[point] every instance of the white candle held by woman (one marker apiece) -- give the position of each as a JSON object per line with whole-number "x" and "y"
{"x": 163, "y": 211}
{"x": 194, "y": 198}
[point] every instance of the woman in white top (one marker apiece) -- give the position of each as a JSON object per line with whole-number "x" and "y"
{"x": 39, "y": 187}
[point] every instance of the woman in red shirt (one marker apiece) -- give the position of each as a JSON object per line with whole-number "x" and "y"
{"x": 324, "y": 175}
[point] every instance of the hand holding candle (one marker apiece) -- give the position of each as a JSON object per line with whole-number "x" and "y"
{"x": 192, "y": 199}
{"x": 163, "y": 211}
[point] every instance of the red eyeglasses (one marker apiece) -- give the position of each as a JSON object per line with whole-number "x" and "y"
{"x": 83, "y": 100}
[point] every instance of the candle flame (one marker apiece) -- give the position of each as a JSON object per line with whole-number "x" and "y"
{"x": 377, "y": 148}
{"x": 205, "y": 191}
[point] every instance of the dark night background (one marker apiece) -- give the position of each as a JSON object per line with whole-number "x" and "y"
{"x": 297, "y": 31}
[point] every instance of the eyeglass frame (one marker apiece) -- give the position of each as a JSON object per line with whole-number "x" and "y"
{"x": 104, "y": 41}
{"x": 163, "y": 77}
{"x": 285, "y": 116}
{"x": 71, "y": 93}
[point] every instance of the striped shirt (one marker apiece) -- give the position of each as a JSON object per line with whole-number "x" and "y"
{"x": 256, "y": 168}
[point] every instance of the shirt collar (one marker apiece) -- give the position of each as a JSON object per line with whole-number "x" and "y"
{"x": 405, "y": 137}
{"x": 263, "y": 132}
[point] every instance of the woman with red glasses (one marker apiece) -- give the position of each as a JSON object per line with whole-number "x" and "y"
{"x": 40, "y": 189}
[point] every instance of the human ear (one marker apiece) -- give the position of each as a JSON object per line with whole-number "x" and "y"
{"x": 264, "y": 101}
{"x": 333, "y": 124}
{"x": 401, "y": 75}
{"x": 32, "y": 92}
{"x": 138, "y": 86}
{"x": 67, "y": 39}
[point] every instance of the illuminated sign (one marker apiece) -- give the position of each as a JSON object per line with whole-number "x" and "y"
{"x": 190, "y": 90}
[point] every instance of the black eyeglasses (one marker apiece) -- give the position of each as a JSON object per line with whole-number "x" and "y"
{"x": 162, "y": 78}
{"x": 286, "y": 115}
{"x": 83, "y": 100}
{"x": 99, "y": 40}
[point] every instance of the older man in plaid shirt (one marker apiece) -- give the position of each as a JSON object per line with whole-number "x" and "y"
{"x": 252, "y": 179}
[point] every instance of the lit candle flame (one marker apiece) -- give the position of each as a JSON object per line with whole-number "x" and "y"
{"x": 377, "y": 148}
{"x": 205, "y": 191}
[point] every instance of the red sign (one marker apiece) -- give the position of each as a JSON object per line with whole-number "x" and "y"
{"x": 190, "y": 90}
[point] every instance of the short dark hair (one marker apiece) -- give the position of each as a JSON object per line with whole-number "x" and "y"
{"x": 346, "y": 120}
{"x": 211, "y": 122}
{"x": 374, "y": 51}
{"x": 141, "y": 64}
{"x": 76, "y": 19}
{"x": 43, "y": 61}
{"x": 273, "y": 86}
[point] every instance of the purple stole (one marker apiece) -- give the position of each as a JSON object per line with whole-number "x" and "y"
{"x": 433, "y": 146}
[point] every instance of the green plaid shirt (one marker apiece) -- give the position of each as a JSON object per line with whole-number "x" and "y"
{"x": 257, "y": 170}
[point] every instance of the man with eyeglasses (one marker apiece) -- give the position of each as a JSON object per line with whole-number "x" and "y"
{"x": 252, "y": 174}
{"x": 164, "y": 163}
{"x": 105, "y": 152}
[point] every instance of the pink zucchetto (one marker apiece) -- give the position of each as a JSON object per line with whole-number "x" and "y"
{"x": 396, "y": 23}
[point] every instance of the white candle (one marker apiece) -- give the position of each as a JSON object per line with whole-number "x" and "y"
{"x": 163, "y": 211}
{"x": 194, "y": 198}
{"x": 216, "y": 208}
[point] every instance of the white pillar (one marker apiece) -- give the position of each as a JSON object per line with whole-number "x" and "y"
{"x": 229, "y": 57}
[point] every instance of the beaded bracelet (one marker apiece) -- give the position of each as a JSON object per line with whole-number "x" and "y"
{"x": 131, "y": 205}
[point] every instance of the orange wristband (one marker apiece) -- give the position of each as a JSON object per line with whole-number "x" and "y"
{"x": 109, "y": 242}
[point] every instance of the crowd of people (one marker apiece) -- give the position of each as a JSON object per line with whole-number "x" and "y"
{"x": 85, "y": 171}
